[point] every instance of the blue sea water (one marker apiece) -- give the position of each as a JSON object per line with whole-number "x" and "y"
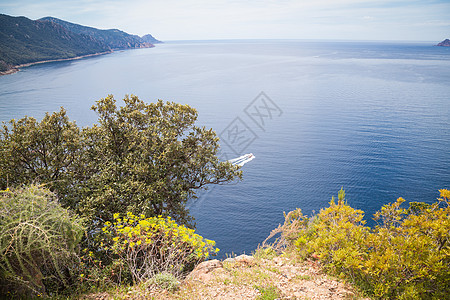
{"x": 372, "y": 117}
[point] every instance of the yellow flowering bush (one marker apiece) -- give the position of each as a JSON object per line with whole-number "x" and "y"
{"x": 337, "y": 236}
{"x": 155, "y": 245}
{"x": 406, "y": 256}
{"x": 409, "y": 255}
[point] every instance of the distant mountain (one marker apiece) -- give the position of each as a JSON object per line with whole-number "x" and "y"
{"x": 148, "y": 38}
{"x": 113, "y": 38}
{"x": 24, "y": 41}
{"x": 444, "y": 43}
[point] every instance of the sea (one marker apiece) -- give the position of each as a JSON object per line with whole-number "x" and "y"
{"x": 370, "y": 117}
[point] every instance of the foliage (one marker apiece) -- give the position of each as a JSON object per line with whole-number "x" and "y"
{"x": 265, "y": 252}
{"x": 338, "y": 235}
{"x": 110, "y": 39}
{"x": 295, "y": 224}
{"x": 45, "y": 152}
{"x": 165, "y": 281}
{"x": 149, "y": 246}
{"x": 410, "y": 255}
{"x": 406, "y": 256}
{"x": 139, "y": 158}
{"x": 38, "y": 241}
{"x": 148, "y": 158}
{"x": 142, "y": 158}
{"x": 97, "y": 274}
{"x": 26, "y": 41}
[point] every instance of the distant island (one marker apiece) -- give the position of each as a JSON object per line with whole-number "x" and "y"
{"x": 26, "y": 42}
{"x": 444, "y": 43}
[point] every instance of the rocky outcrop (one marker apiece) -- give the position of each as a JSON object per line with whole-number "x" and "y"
{"x": 205, "y": 271}
{"x": 444, "y": 43}
{"x": 239, "y": 277}
{"x": 248, "y": 277}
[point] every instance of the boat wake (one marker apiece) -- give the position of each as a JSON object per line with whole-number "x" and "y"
{"x": 242, "y": 160}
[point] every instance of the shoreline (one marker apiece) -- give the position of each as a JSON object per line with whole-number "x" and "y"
{"x": 17, "y": 68}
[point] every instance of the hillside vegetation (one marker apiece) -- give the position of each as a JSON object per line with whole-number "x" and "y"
{"x": 406, "y": 256}
{"x": 26, "y": 41}
{"x": 126, "y": 179}
{"x": 112, "y": 38}
{"x": 100, "y": 212}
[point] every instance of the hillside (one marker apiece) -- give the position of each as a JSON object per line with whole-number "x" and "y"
{"x": 25, "y": 41}
{"x": 112, "y": 38}
{"x": 242, "y": 278}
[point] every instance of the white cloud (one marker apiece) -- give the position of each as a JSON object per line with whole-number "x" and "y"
{"x": 215, "y": 19}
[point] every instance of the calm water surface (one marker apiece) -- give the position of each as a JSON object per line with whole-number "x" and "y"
{"x": 371, "y": 117}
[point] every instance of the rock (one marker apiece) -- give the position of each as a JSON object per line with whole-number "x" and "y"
{"x": 210, "y": 264}
{"x": 203, "y": 270}
{"x": 230, "y": 260}
{"x": 245, "y": 259}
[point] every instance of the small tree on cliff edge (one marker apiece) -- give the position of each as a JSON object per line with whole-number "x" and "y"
{"x": 142, "y": 158}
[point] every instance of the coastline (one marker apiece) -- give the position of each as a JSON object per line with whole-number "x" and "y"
{"x": 10, "y": 71}
{"x": 17, "y": 68}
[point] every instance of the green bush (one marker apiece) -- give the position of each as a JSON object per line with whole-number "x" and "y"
{"x": 165, "y": 281}
{"x": 38, "y": 242}
{"x": 149, "y": 246}
{"x": 98, "y": 273}
{"x": 406, "y": 256}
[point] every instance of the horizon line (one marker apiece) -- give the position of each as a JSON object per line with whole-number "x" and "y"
{"x": 300, "y": 39}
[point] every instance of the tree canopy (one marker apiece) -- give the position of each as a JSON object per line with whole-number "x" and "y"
{"x": 143, "y": 158}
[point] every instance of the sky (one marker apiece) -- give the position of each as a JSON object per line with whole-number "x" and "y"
{"x": 397, "y": 20}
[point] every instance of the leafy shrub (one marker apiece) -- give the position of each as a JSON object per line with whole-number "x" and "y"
{"x": 95, "y": 273}
{"x": 38, "y": 241}
{"x": 165, "y": 281}
{"x": 265, "y": 253}
{"x": 294, "y": 223}
{"x": 338, "y": 236}
{"x": 149, "y": 246}
{"x": 410, "y": 251}
{"x": 406, "y": 256}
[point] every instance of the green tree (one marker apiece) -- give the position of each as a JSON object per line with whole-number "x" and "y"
{"x": 46, "y": 151}
{"x": 141, "y": 158}
{"x": 147, "y": 158}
